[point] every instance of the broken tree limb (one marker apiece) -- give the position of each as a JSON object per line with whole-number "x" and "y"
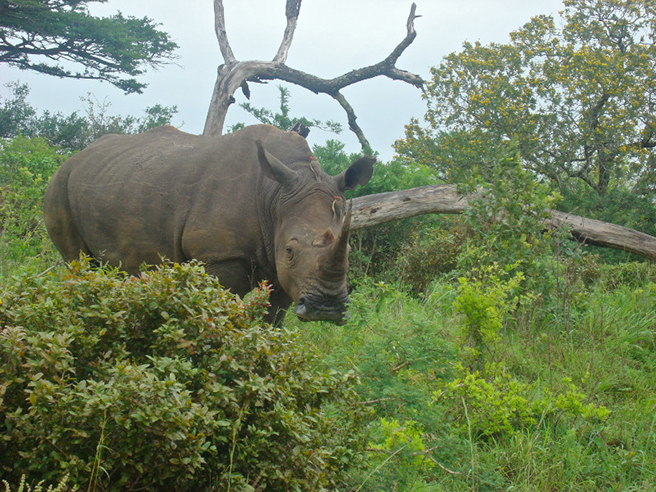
{"x": 444, "y": 199}
{"x": 599, "y": 233}
{"x": 377, "y": 209}
{"x": 292, "y": 10}
{"x": 233, "y": 74}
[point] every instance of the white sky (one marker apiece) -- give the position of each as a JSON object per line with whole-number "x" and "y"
{"x": 332, "y": 37}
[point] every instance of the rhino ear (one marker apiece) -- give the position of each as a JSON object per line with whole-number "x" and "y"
{"x": 272, "y": 167}
{"x": 358, "y": 173}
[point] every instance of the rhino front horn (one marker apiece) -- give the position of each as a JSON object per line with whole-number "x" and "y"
{"x": 340, "y": 249}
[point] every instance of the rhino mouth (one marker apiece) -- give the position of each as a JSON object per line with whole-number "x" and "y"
{"x": 319, "y": 308}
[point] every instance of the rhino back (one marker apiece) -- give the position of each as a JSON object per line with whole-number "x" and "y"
{"x": 134, "y": 197}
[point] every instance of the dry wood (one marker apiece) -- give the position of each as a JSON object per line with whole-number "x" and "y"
{"x": 292, "y": 10}
{"x": 233, "y": 74}
{"x": 444, "y": 199}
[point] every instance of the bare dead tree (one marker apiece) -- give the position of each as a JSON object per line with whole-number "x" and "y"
{"x": 234, "y": 74}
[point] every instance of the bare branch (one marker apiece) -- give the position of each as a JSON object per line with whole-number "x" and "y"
{"x": 292, "y": 11}
{"x": 353, "y": 125}
{"x": 409, "y": 38}
{"x": 234, "y": 74}
{"x": 221, "y": 34}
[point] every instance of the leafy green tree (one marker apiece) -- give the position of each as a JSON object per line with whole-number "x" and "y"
{"x": 50, "y": 36}
{"x": 75, "y": 131}
{"x": 282, "y": 119}
{"x": 578, "y": 96}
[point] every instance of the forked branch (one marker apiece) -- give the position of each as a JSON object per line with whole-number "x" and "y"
{"x": 234, "y": 74}
{"x": 221, "y": 33}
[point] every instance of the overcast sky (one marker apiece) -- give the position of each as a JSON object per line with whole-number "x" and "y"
{"x": 332, "y": 37}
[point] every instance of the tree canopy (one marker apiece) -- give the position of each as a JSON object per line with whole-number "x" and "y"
{"x": 61, "y": 38}
{"x": 74, "y": 131}
{"x": 578, "y": 96}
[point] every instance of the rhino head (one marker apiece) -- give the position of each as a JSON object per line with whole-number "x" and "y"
{"x": 311, "y": 233}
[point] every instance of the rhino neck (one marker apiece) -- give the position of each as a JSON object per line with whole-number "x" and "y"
{"x": 268, "y": 194}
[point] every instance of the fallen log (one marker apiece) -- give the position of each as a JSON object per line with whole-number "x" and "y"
{"x": 444, "y": 199}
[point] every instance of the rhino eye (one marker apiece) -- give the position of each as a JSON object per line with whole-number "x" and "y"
{"x": 290, "y": 253}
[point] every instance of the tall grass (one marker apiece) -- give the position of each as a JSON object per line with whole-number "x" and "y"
{"x": 25, "y": 169}
{"x": 587, "y": 364}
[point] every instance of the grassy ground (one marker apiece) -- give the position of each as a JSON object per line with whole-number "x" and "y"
{"x": 575, "y": 380}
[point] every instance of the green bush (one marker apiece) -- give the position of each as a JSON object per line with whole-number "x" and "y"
{"x": 163, "y": 381}
{"x": 26, "y": 166}
{"x": 429, "y": 255}
{"x": 632, "y": 274}
{"x": 498, "y": 403}
{"x": 505, "y": 222}
{"x": 485, "y": 303}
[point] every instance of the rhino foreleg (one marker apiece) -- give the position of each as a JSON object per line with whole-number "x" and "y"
{"x": 232, "y": 275}
{"x": 280, "y": 302}
{"x": 241, "y": 279}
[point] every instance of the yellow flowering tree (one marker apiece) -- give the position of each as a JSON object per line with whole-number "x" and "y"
{"x": 578, "y": 95}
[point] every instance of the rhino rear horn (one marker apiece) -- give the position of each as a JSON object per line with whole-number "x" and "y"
{"x": 272, "y": 167}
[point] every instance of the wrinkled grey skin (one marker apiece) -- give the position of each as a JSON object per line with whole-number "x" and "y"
{"x": 253, "y": 205}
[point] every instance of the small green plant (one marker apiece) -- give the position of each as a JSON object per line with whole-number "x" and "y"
{"x": 23, "y": 486}
{"x": 494, "y": 404}
{"x": 500, "y": 404}
{"x": 408, "y": 437}
{"x": 399, "y": 447}
{"x": 485, "y": 302}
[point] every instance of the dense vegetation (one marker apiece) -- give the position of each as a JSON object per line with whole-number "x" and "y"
{"x": 481, "y": 353}
{"x": 76, "y": 130}
{"x": 497, "y": 357}
{"x": 163, "y": 382}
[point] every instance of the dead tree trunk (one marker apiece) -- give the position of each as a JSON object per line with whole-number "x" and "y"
{"x": 234, "y": 74}
{"x": 384, "y": 207}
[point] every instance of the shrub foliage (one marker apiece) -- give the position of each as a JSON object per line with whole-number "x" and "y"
{"x": 162, "y": 381}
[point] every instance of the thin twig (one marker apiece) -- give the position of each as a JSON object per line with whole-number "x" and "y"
{"x": 443, "y": 467}
{"x": 370, "y": 402}
{"x": 46, "y": 271}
